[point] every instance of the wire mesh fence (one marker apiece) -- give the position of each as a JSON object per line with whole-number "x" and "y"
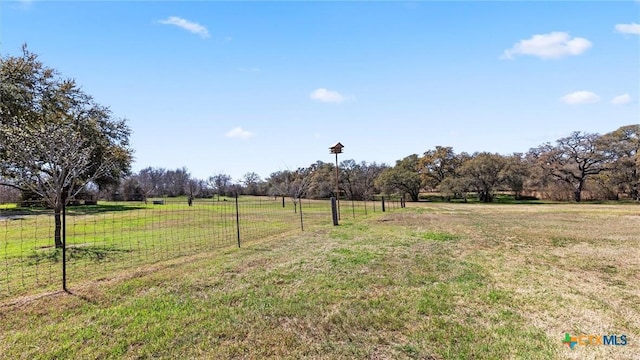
{"x": 103, "y": 239}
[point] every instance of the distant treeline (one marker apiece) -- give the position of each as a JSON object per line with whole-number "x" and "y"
{"x": 582, "y": 166}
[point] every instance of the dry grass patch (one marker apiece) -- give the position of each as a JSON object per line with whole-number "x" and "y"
{"x": 438, "y": 281}
{"x": 567, "y": 268}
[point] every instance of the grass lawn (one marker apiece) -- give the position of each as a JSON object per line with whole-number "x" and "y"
{"x": 433, "y": 281}
{"x": 110, "y": 237}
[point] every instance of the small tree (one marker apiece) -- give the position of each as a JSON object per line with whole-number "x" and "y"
{"x": 293, "y": 184}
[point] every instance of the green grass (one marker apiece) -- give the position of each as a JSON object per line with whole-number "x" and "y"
{"x": 439, "y": 236}
{"x": 114, "y": 236}
{"x": 434, "y": 281}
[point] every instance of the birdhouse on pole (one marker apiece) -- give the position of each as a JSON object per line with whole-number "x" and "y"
{"x": 336, "y": 149}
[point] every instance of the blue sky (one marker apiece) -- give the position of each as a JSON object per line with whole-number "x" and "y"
{"x": 264, "y": 86}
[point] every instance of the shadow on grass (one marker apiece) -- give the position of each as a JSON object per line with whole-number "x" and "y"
{"x": 258, "y": 249}
{"x": 497, "y": 199}
{"x": 71, "y": 210}
{"x": 97, "y": 209}
{"x": 82, "y": 297}
{"x": 24, "y": 211}
{"x": 93, "y": 253}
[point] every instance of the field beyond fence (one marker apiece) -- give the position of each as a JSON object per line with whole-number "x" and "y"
{"x": 433, "y": 281}
{"x": 110, "y": 237}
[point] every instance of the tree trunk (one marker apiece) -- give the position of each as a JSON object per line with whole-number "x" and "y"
{"x": 577, "y": 194}
{"x": 485, "y": 196}
{"x": 58, "y": 228}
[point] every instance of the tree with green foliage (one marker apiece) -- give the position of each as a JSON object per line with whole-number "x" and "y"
{"x": 438, "y": 164}
{"x": 623, "y": 145}
{"x": 515, "y": 173}
{"x": 403, "y": 178}
{"x": 54, "y": 138}
{"x": 483, "y": 173}
{"x": 322, "y": 182}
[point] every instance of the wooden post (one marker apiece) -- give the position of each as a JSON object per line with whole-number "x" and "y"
{"x": 334, "y": 211}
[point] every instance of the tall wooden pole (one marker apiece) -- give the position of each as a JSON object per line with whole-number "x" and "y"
{"x": 338, "y": 186}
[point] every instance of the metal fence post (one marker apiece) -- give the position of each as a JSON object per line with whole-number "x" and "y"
{"x": 301, "y": 221}
{"x": 64, "y": 246}
{"x": 353, "y": 208}
{"x": 237, "y": 220}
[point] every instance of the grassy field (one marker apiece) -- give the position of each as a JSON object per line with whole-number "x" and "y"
{"x": 433, "y": 281}
{"x": 112, "y": 236}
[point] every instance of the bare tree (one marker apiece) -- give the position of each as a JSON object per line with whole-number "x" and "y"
{"x": 8, "y": 194}
{"x": 220, "y": 183}
{"x": 357, "y": 179}
{"x": 251, "y": 181}
{"x": 151, "y": 181}
{"x": 293, "y": 184}
{"x": 573, "y": 160}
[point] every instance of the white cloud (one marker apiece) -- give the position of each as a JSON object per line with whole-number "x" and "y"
{"x": 325, "y": 95}
{"x": 580, "y": 97}
{"x": 553, "y": 45}
{"x": 621, "y": 99}
{"x": 239, "y": 133}
{"x": 187, "y": 25}
{"x": 628, "y": 28}
{"x": 23, "y": 4}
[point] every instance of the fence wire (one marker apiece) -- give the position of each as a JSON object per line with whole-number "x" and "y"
{"x": 111, "y": 237}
